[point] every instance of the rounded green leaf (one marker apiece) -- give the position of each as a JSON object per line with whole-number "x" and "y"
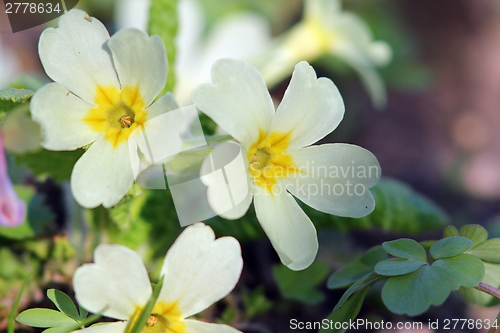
{"x": 44, "y": 318}
{"x": 488, "y": 251}
{"x": 465, "y": 269}
{"x": 450, "y": 231}
{"x": 358, "y": 268}
{"x": 492, "y": 278}
{"x": 406, "y": 248}
{"x": 394, "y": 267}
{"x": 450, "y": 246}
{"x": 476, "y": 233}
{"x": 64, "y": 303}
{"x": 413, "y": 293}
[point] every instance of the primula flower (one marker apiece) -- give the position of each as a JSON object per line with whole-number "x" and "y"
{"x": 198, "y": 271}
{"x": 12, "y": 209}
{"x": 105, "y": 88}
{"x": 328, "y": 177}
{"x": 326, "y": 29}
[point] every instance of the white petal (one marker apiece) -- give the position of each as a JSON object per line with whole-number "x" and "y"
{"x": 224, "y": 172}
{"x": 60, "y": 114}
{"x": 164, "y": 104}
{"x": 238, "y": 100}
{"x": 118, "y": 327}
{"x": 200, "y": 270}
{"x": 195, "y": 326}
{"x": 141, "y": 61}
{"x": 289, "y": 229}
{"x": 335, "y": 178}
{"x": 74, "y": 54}
{"x": 103, "y": 175}
{"x": 117, "y": 282}
{"x": 311, "y": 108}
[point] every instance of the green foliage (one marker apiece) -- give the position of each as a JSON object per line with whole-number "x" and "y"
{"x": 163, "y": 22}
{"x": 398, "y": 209}
{"x": 56, "y": 164}
{"x": 255, "y": 303}
{"x": 395, "y": 267}
{"x": 44, "y": 318}
{"x": 301, "y": 285}
{"x": 15, "y": 306}
{"x": 64, "y": 303}
{"x": 11, "y": 97}
{"x": 406, "y": 248}
{"x": 449, "y": 247}
{"x": 358, "y": 268}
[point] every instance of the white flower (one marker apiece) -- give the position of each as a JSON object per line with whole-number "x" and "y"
{"x": 278, "y": 164}
{"x": 198, "y": 271}
{"x": 325, "y": 29}
{"x": 105, "y": 88}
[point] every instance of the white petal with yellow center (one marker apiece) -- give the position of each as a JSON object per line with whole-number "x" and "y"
{"x": 75, "y": 56}
{"x": 140, "y": 62}
{"x": 310, "y": 110}
{"x": 117, "y": 282}
{"x": 60, "y": 114}
{"x": 200, "y": 270}
{"x": 335, "y": 178}
{"x": 289, "y": 229}
{"x": 238, "y": 100}
{"x": 118, "y": 327}
{"x": 103, "y": 175}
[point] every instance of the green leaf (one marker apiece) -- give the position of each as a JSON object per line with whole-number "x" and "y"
{"x": 450, "y": 246}
{"x": 394, "y": 267}
{"x": 56, "y": 164}
{"x": 64, "y": 303}
{"x": 163, "y": 22}
{"x": 10, "y": 97}
{"x": 465, "y": 269}
{"x": 450, "y": 231}
{"x": 427, "y": 245}
{"x": 406, "y": 248}
{"x": 301, "y": 285}
{"x": 492, "y": 278}
{"x": 83, "y": 313}
{"x": 366, "y": 280}
{"x": 349, "y": 311}
{"x": 256, "y": 303}
{"x": 15, "y": 305}
{"x": 70, "y": 328}
{"x": 488, "y": 251}
{"x": 44, "y": 318}
{"x": 476, "y": 233}
{"x": 358, "y": 268}
{"x": 413, "y": 293}
{"x": 146, "y": 312}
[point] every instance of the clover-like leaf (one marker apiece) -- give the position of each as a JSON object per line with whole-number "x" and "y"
{"x": 465, "y": 269}
{"x": 492, "y": 278}
{"x": 394, "y": 267}
{"x": 44, "y": 318}
{"x": 450, "y": 231}
{"x": 450, "y": 246}
{"x": 413, "y": 293}
{"x": 476, "y": 233}
{"x": 406, "y": 248}
{"x": 64, "y": 303}
{"x": 488, "y": 251}
{"x": 358, "y": 268}
{"x": 347, "y": 312}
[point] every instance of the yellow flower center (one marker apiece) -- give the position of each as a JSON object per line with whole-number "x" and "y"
{"x": 165, "y": 318}
{"x": 268, "y": 160}
{"x": 117, "y": 113}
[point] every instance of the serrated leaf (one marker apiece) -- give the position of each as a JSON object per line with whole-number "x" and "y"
{"x": 301, "y": 285}
{"x": 465, "y": 269}
{"x": 414, "y": 293}
{"x": 56, "y": 164}
{"x": 476, "y": 233}
{"x": 450, "y": 246}
{"x": 357, "y": 269}
{"x": 488, "y": 251}
{"x": 349, "y": 311}
{"x": 492, "y": 278}
{"x": 44, "y": 318}
{"x": 11, "y": 97}
{"x": 394, "y": 267}
{"x": 64, "y": 303}
{"x": 406, "y": 248}
{"x": 450, "y": 231}
{"x": 163, "y": 22}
